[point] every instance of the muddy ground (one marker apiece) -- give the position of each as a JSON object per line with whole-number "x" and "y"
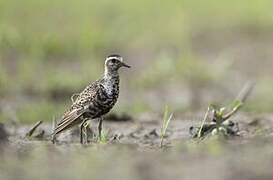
{"x": 136, "y": 153}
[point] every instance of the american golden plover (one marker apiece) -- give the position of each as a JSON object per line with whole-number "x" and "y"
{"x": 95, "y": 100}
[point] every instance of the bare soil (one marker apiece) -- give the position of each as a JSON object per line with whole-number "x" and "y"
{"x": 135, "y": 152}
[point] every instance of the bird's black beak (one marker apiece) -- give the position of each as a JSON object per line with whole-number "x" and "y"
{"x": 125, "y": 65}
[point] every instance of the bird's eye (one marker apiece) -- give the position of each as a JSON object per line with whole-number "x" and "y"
{"x": 114, "y": 61}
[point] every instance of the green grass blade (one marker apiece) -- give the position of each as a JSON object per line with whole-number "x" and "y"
{"x": 103, "y": 137}
{"x": 236, "y": 105}
{"x": 203, "y": 122}
{"x": 164, "y": 121}
{"x": 165, "y": 124}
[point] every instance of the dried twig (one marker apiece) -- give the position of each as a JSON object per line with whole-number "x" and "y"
{"x": 241, "y": 97}
{"x": 31, "y": 131}
{"x": 244, "y": 93}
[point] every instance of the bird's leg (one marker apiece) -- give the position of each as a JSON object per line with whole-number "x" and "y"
{"x": 81, "y": 129}
{"x": 53, "y": 135}
{"x": 85, "y": 131}
{"x": 100, "y": 127}
{"x": 53, "y": 138}
{"x": 81, "y": 132}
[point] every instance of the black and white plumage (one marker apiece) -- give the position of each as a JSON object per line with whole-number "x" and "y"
{"x": 95, "y": 100}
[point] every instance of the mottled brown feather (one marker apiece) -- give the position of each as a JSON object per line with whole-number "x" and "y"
{"x": 81, "y": 105}
{"x": 96, "y": 99}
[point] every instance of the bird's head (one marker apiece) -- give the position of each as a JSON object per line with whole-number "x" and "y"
{"x": 114, "y": 62}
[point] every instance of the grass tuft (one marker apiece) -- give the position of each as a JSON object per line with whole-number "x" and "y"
{"x": 165, "y": 124}
{"x": 103, "y": 137}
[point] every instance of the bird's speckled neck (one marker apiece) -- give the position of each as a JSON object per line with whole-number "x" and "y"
{"x": 110, "y": 78}
{"x": 108, "y": 73}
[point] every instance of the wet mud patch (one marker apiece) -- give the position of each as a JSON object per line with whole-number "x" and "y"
{"x": 132, "y": 151}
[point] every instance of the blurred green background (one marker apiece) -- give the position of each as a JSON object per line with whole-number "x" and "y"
{"x": 186, "y": 54}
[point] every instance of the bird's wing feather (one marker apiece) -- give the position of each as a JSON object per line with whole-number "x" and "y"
{"x": 70, "y": 119}
{"x": 80, "y": 106}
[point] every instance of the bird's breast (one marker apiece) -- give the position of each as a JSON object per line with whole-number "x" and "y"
{"x": 105, "y": 98}
{"x": 111, "y": 86}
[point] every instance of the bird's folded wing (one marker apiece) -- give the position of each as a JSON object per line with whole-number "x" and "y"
{"x": 69, "y": 119}
{"x": 80, "y": 106}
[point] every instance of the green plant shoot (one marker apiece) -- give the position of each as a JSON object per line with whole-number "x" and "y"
{"x": 165, "y": 124}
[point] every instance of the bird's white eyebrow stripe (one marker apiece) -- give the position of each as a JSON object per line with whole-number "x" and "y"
{"x": 118, "y": 58}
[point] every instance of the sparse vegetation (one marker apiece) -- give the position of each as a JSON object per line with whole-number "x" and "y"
{"x": 219, "y": 116}
{"x": 103, "y": 137}
{"x": 165, "y": 123}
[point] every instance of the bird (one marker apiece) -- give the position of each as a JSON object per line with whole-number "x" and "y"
{"x": 95, "y": 100}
